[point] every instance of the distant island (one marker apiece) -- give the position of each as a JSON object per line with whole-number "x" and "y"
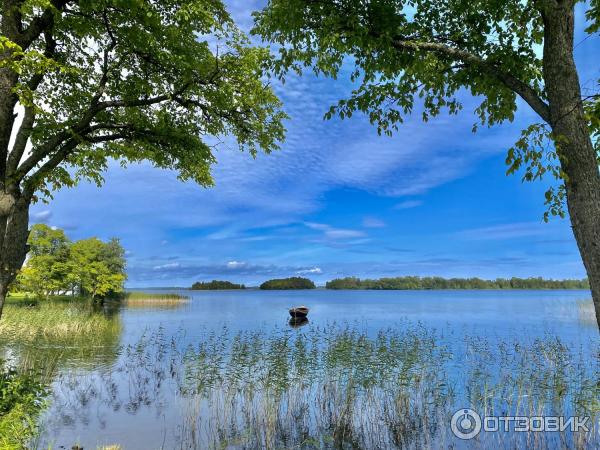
{"x": 422, "y": 283}
{"x": 288, "y": 283}
{"x": 216, "y": 285}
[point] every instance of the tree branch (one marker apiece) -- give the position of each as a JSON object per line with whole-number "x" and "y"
{"x": 33, "y": 183}
{"x": 20, "y": 142}
{"x": 522, "y": 89}
{"x": 26, "y": 127}
{"x": 41, "y": 23}
{"x": 36, "y": 179}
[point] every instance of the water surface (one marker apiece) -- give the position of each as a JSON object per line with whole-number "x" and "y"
{"x": 111, "y": 400}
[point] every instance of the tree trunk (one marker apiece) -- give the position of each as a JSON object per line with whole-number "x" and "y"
{"x": 578, "y": 158}
{"x": 14, "y": 231}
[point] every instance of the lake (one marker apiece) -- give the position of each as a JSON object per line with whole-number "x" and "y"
{"x": 226, "y": 370}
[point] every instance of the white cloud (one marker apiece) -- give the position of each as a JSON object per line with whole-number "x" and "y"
{"x": 334, "y": 234}
{"x": 408, "y": 204}
{"x": 167, "y": 266}
{"x": 236, "y": 264}
{"x": 314, "y": 270}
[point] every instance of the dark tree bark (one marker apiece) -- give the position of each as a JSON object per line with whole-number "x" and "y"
{"x": 577, "y": 155}
{"x": 14, "y": 231}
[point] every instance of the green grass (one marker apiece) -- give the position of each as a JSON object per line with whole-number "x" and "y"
{"x": 19, "y": 296}
{"x": 54, "y": 319}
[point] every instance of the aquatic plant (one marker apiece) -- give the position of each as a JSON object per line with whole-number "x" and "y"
{"x": 137, "y": 299}
{"x": 341, "y": 387}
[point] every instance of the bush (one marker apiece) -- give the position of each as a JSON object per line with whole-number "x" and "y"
{"x": 21, "y": 399}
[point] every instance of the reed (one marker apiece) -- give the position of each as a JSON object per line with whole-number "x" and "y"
{"x": 586, "y": 313}
{"x": 56, "y": 320}
{"x": 339, "y": 388}
{"x": 148, "y": 300}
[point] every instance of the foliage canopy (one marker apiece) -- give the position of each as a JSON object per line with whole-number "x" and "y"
{"x": 87, "y": 267}
{"x": 130, "y": 80}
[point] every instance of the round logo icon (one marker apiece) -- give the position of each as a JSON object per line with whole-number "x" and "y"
{"x": 465, "y": 424}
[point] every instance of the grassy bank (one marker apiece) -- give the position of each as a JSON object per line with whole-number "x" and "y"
{"x": 28, "y": 320}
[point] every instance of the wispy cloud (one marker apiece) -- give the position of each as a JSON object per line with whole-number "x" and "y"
{"x": 236, "y": 264}
{"x": 335, "y": 234}
{"x": 314, "y": 270}
{"x": 373, "y": 222}
{"x": 408, "y": 204}
{"x": 234, "y": 270}
{"x": 506, "y": 231}
{"x": 41, "y": 216}
{"x": 168, "y": 266}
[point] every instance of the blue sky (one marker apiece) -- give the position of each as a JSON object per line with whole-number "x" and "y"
{"x": 337, "y": 200}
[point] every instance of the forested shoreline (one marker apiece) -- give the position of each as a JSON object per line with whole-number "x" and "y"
{"x": 424, "y": 283}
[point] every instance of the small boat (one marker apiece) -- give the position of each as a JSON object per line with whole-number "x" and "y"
{"x": 299, "y": 312}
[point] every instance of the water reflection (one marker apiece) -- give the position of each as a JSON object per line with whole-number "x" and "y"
{"x": 334, "y": 387}
{"x": 198, "y": 376}
{"x": 297, "y": 322}
{"x": 52, "y": 336}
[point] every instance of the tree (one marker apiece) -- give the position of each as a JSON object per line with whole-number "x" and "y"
{"x": 48, "y": 267}
{"x": 93, "y": 268}
{"x": 113, "y": 254}
{"x": 85, "y": 81}
{"x": 428, "y": 51}
{"x": 56, "y": 265}
{"x": 44, "y": 240}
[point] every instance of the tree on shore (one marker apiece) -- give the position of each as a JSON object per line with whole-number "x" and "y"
{"x": 95, "y": 271}
{"x": 48, "y": 265}
{"x": 424, "y": 52}
{"x": 84, "y": 82}
{"x": 88, "y": 267}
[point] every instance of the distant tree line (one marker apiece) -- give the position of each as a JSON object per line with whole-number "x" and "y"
{"x": 216, "y": 285}
{"x": 288, "y": 283}
{"x": 57, "y": 266}
{"x": 418, "y": 283}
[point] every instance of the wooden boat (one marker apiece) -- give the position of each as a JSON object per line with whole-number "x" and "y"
{"x": 299, "y": 312}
